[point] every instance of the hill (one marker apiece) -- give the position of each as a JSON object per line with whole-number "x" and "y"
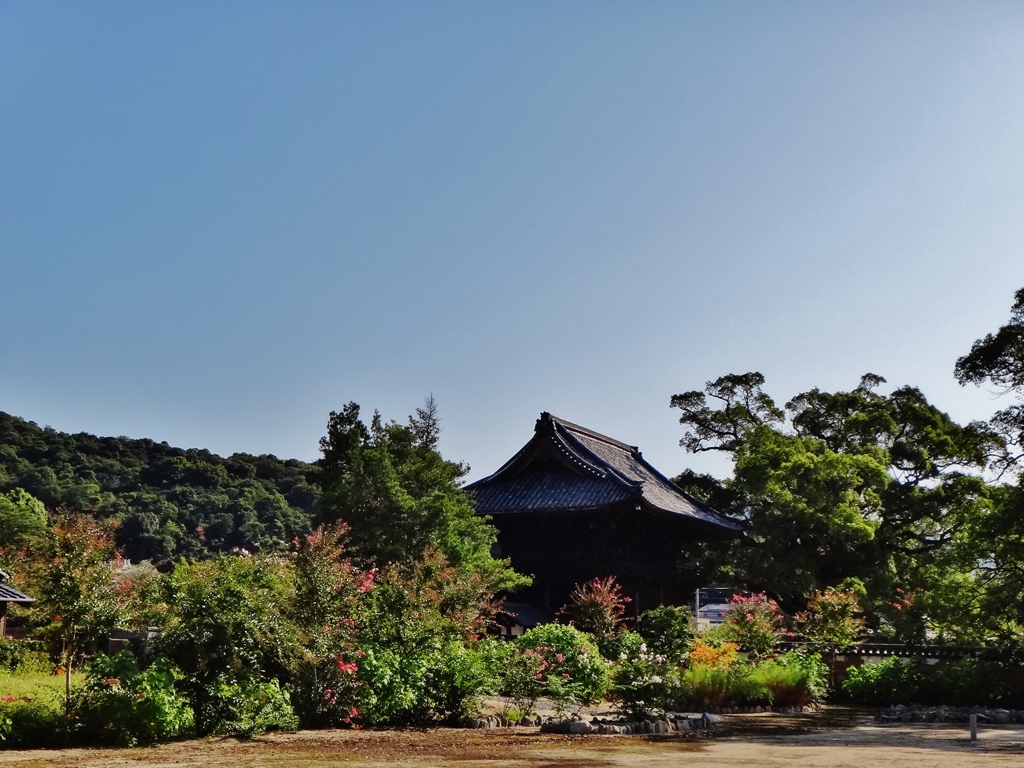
{"x": 169, "y": 501}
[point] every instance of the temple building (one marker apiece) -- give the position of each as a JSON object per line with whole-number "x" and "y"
{"x": 573, "y": 504}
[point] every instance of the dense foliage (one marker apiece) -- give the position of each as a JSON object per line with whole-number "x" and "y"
{"x": 880, "y": 490}
{"x": 169, "y": 502}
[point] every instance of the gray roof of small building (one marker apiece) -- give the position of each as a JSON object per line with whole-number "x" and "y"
{"x": 568, "y": 467}
{"x": 11, "y": 595}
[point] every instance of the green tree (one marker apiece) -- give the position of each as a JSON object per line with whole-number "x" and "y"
{"x": 995, "y": 543}
{"x": 74, "y": 580}
{"x": 399, "y": 497}
{"x": 837, "y": 485}
{"x": 22, "y": 518}
{"x": 831, "y": 623}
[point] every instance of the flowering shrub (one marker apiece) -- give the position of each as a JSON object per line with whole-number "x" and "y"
{"x": 754, "y": 622}
{"x": 596, "y": 607}
{"x": 643, "y": 680}
{"x": 904, "y": 616}
{"x": 831, "y": 622}
{"x": 329, "y": 591}
{"x": 563, "y": 663}
{"x": 702, "y": 653}
{"x": 667, "y": 630}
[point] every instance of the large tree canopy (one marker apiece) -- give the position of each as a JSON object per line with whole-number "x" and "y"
{"x": 837, "y": 486}
{"x": 997, "y": 542}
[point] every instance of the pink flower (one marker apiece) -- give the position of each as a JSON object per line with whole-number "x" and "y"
{"x": 367, "y": 583}
{"x": 559, "y": 657}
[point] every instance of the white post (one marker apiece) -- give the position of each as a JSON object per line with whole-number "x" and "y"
{"x": 974, "y": 727}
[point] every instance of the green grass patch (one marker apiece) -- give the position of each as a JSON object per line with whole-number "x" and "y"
{"x": 32, "y": 709}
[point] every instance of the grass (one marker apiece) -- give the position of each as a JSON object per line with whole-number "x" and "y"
{"x": 31, "y": 685}
{"x": 32, "y": 709}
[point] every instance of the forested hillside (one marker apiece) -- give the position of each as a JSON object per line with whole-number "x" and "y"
{"x": 170, "y": 501}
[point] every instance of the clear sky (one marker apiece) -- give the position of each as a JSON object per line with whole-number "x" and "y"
{"x": 220, "y": 221}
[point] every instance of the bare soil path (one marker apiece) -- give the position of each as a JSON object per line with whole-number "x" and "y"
{"x": 831, "y": 739}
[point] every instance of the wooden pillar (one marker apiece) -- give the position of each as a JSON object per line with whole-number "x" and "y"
{"x": 3, "y": 618}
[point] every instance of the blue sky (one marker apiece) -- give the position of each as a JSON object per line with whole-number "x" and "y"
{"x": 219, "y": 221}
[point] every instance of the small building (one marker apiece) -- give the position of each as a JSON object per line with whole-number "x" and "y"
{"x": 574, "y": 504}
{"x": 9, "y": 594}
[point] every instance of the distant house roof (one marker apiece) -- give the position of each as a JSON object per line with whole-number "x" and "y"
{"x": 568, "y": 467}
{"x": 10, "y": 594}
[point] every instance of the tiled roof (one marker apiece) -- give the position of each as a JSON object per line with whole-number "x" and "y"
{"x": 568, "y": 467}
{"x": 11, "y": 595}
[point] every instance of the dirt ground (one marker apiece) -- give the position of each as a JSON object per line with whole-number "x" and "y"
{"x": 832, "y": 739}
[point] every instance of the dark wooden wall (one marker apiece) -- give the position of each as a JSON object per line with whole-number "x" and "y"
{"x": 562, "y": 549}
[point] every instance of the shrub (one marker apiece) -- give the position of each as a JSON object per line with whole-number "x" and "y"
{"x": 227, "y": 634}
{"x": 794, "y": 679}
{"x": 962, "y": 683}
{"x": 574, "y": 673}
{"x": 703, "y": 653}
{"x": 702, "y": 687}
{"x": 596, "y": 607}
{"x": 440, "y": 683}
{"x": 328, "y": 595}
{"x": 23, "y": 656}
{"x": 894, "y": 681}
{"x": 121, "y": 704}
{"x": 643, "y": 680}
{"x": 456, "y": 679}
{"x": 831, "y": 622}
{"x": 667, "y": 630}
{"x": 755, "y": 623}
{"x": 517, "y": 675}
{"x": 249, "y": 707}
{"x": 555, "y": 661}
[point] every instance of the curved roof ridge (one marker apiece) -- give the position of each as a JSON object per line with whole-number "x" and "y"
{"x": 613, "y": 471}
{"x": 588, "y": 432}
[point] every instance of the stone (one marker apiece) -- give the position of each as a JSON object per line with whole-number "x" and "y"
{"x": 580, "y": 727}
